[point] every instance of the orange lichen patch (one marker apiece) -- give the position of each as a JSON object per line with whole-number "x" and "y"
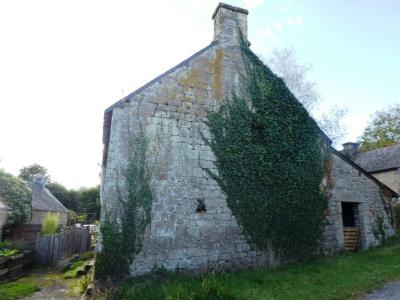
{"x": 190, "y": 87}
{"x": 217, "y": 74}
{"x": 194, "y": 83}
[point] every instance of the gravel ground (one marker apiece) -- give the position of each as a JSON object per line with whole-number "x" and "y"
{"x": 391, "y": 291}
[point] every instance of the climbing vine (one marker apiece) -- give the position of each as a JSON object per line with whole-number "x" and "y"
{"x": 137, "y": 200}
{"x": 378, "y": 229}
{"x": 120, "y": 243}
{"x": 270, "y": 162}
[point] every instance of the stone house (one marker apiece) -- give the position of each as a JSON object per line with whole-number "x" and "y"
{"x": 171, "y": 109}
{"x": 44, "y": 202}
{"x": 383, "y": 163}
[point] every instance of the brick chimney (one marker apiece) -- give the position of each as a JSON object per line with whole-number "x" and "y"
{"x": 228, "y": 22}
{"x": 350, "y": 149}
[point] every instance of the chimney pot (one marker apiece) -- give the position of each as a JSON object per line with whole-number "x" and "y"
{"x": 228, "y": 22}
{"x": 40, "y": 180}
{"x": 350, "y": 149}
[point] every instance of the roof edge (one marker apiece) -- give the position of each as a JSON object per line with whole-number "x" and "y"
{"x": 151, "y": 82}
{"x": 384, "y": 170}
{"x": 108, "y": 112}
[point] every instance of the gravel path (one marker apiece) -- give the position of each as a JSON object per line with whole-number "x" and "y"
{"x": 391, "y": 291}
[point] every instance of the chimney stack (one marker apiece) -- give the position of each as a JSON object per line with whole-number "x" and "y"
{"x": 228, "y": 22}
{"x": 40, "y": 180}
{"x": 350, "y": 149}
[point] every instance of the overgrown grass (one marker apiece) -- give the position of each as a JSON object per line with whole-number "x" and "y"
{"x": 344, "y": 277}
{"x": 15, "y": 290}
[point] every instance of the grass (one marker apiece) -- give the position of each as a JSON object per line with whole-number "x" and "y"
{"x": 347, "y": 276}
{"x": 29, "y": 284}
{"x": 14, "y": 290}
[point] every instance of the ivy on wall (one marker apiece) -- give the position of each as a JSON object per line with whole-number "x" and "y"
{"x": 120, "y": 243}
{"x": 270, "y": 162}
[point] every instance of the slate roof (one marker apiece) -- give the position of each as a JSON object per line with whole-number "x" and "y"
{"x": 42, "y": 199}
{"x": 379, "y": 160}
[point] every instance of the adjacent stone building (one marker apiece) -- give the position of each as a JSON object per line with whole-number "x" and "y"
{"x": 172, "y": 109}
{"x": 44, "y": 202}
{"x": 383, "y": 163}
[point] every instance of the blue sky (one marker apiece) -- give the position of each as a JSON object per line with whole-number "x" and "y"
{"x": 353, "y": 47}
{"x": 63, "y": 63}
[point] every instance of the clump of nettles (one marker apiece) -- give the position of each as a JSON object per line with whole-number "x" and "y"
{"x": 270, "y": 163}
{"x": 121, "y": 243}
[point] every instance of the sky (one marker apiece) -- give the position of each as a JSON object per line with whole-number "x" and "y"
{"x": 62, "y": 63}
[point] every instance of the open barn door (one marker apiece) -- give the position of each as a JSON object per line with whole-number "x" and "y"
{"x": 351, "y": 226}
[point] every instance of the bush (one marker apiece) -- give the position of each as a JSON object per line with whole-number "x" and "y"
{"x": 17, "y": 196}
{"x": 50, "y": 224}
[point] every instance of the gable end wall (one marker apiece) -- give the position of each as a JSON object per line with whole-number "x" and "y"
{"x": 172, "y": 112}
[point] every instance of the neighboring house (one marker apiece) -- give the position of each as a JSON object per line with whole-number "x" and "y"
{"x": 383, "y": 163}
{"x": 4, "y": 211}
{"x": 44, "y": 202}
{"x": 172, "y": 109}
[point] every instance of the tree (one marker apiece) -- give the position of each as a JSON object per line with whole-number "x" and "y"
{"x": 84, "y": 200}
{"x": 27, "y": 173}
{"x": 295, "y": 75}
{"x": 17, "y": 196}
{"x": 383, "y": 130}
{"x": 88, "y": 201}
{"x": 51, "y": 222}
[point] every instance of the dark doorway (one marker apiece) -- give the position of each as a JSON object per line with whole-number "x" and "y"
{"x": 348, "y": 214}
{"x": 351, "y": 225}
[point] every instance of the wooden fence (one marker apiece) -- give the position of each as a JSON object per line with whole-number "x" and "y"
{"x": 27, "y": 233}
{"x": 70, "y": 241}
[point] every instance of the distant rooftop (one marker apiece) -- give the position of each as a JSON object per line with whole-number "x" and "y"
{"x": 42, "y": 199}
{"x": 378, "y": 160}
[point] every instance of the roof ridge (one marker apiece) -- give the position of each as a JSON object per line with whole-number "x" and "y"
{"x": 382, "y": 148}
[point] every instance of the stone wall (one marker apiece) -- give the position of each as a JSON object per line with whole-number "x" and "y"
{"x": 172, "y": 110}
{"x": 391, "y": 178}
